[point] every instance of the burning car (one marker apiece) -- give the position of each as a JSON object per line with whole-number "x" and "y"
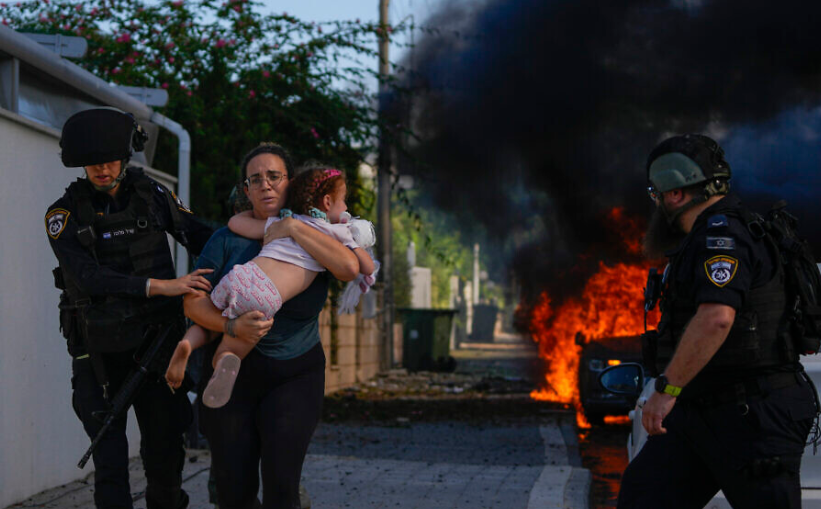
{"x": 596, "y": 356}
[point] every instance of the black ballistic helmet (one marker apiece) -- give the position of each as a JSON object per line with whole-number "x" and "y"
{"x": 690, "y": 159}
{"x": 100, "y": 135}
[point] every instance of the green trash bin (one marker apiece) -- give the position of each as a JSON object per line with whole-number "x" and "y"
{"x": 426, "y": 339}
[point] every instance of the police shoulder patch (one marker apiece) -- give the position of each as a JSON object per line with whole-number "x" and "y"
{"x": 721, "y": 269}
{"x": 180, "y": 204}
{"x": 56, "y": 220}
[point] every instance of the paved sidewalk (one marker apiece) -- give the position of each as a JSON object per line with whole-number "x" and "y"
{"x": 424, "y": 466}
{"x": 469, "y": 440}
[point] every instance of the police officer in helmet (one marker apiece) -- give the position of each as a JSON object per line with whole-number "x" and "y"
{"x": 108, "y": 232}
{"x": 732, "y": 408}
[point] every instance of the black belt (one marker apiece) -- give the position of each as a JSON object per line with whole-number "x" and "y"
{"x": 740, "y": 392}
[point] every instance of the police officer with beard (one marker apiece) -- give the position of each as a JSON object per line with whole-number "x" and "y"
{"x": 732, "y": 408}
{"x": 108, "y": 232}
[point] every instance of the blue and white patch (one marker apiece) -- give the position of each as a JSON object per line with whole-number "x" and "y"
{"x": 725, "y": 243}
{"x": 118, "y": 233}
{"x": 718, "y": 221}
{"x": 721, "y": 269}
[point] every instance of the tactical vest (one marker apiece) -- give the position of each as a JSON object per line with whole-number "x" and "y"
{"x": 758, "y": 337}
{"x": 130, "y": 241}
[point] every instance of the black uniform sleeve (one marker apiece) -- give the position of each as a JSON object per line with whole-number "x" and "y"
{"x": 92, "y": 278}
{"x": 195, "y": 233}
{"x": 724, "y": 263}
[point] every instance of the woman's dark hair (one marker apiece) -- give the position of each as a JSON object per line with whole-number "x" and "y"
{"x": 268, "y": 147}
{"x": 311, "y": 184}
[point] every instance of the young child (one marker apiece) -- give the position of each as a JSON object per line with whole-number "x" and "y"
{"x": 281, "y": 271}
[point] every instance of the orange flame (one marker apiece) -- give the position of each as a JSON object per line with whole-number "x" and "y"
{"x": 611, "y": 305}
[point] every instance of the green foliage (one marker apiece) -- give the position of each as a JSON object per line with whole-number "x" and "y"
{"x": 439, "y": 246}
{"x": 234, "y": 78}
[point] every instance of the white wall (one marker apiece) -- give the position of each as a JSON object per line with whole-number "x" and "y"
{"x": 420, "y": 287}
{"x": 41, "y": 440}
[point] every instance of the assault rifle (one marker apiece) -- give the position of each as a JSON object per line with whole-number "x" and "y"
{"x": 154, "y": 358}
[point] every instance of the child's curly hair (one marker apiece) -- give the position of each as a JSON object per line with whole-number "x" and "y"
{"x": 311, "y": 184}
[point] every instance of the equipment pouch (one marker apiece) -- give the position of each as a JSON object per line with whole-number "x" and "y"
{"x": 109, "y": 326}
{"x": 649, "y": 350}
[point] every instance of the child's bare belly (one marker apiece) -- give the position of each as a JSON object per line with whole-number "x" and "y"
{"x": 290, "y": 279}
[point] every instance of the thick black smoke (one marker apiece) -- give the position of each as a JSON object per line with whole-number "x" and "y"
{"x": 564, "y": 99}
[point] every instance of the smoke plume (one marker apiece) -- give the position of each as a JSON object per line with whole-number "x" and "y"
{"x": 549, "y": 108}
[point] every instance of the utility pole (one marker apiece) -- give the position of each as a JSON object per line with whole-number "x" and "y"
{"x": 384, "y": 188}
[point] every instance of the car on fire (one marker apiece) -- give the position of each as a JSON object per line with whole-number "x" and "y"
{"x": 630, "y": 378}
{"x": 596, "y": 356}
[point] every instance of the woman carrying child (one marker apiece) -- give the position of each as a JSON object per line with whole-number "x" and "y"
{"x": 277, "y": 397}
{"x": 282, "y": 270}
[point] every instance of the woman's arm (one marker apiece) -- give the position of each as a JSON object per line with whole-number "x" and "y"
{"x": 331, "y": 254}
{"x": 250, "y": 327}
{"x": 246, "y": 225}
{"x": 366, "y": 265}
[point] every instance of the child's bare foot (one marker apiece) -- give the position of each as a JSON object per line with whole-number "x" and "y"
{"x": 176, "y": 368}
{"x": 219, "y": 388}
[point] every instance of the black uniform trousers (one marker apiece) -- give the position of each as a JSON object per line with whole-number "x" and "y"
{"x": 751, "y": 451}
{"x": 162, "y": 418}
{"x": 268, "y": 422}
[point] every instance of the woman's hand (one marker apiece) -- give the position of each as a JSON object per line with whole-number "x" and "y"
{"x": 280, "y": 229}
{"x": 249, "y": 327}
{"x": 189, "y": 283}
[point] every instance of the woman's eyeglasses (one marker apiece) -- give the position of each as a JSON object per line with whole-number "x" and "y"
{"x": 272, "y": 177}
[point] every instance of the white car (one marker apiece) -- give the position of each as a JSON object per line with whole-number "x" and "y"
{"x": 630, "y": 375}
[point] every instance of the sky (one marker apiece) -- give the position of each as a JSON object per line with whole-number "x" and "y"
{"x": 364, "y": 10}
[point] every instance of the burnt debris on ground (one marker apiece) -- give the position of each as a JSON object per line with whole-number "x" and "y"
{"x": 398, "y": 397}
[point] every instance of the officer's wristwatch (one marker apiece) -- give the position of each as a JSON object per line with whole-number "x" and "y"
{"x": 664, "y": 387}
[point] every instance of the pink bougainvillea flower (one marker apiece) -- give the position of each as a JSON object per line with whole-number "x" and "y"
{"x": 170, "y": 60}
{"x": 266, "y": 74}
{"x": 178, "y": 3}
{"x": 116, "y": 70}
{"x": 164, "y": 85}
{"x": 170, "y": 45}
{"x": 129, "y": 60}
{"x": 220, "y": 43}
{"x": 124, "y": 37}
{"x": 188, "y": 93}
{"x": 314, "y": 133}
{"x": 252, "y": 94}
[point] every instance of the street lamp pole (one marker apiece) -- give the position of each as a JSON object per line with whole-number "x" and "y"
{"x": 384, "y": 189}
